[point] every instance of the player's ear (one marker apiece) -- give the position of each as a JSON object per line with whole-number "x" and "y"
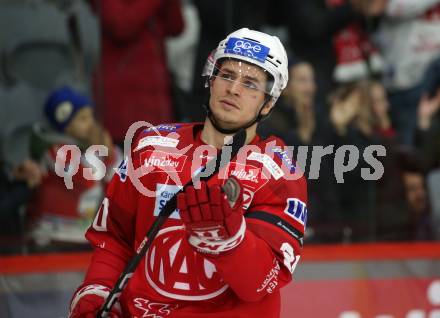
{"x": 267, "y": 107}
{"x": 210, "y": 82}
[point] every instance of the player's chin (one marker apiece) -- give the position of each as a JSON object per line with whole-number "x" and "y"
{"x": 230, "y": 125}
{"x": 229, "y": 119}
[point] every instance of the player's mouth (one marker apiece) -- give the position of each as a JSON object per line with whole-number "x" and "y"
{"x": 228, "y": 103}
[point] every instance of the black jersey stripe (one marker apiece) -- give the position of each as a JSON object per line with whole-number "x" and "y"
{"x": 278, "y": 222}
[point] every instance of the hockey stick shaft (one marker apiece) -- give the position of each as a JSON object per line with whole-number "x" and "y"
{"x": 213, "y": 165}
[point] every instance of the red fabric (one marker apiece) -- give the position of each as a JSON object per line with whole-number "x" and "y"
{"x": 353, "y": 50}
{"x": 132, "y": 81}
{"x": 173, "y": 279}
{"x": 387, "y": 133}
{"x": 433, "y": 13}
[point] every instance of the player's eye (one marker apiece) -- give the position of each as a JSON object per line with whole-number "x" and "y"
{"x": 250, "y": 85}
{"x": 226, "y": 76}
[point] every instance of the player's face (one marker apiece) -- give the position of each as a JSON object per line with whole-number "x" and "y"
{"x": 379, "y": 99}
{"x": 301, "y": 86}
{"x": 415, "y": 191}
{"x": 81, "y": 124}
{"x": 238, "y": 93}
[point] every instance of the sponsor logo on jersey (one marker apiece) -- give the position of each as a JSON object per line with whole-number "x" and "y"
{"x": 167, "y": 128}
{"x": 250, "y": 176}
{"x": 248, "y": 195}
{"x": 297, "y": 210}
{"x": 157, "y": 141}
{"x": 175, "y": 270}
{"x": 242, "y": 174}
{"x": 290, "y": 259}
{"x": 160, "y": 161}
{"x": 150, "y": 309}
{"x": 164, "y": 192}
{"x": 268, "y": 163}
{"x": 122, "y": 170}
{"x": 271, "y": 281}
{"x": 248, "y": 48}
{"x": 284, "y": 156}
{"x": 286, "y": 228}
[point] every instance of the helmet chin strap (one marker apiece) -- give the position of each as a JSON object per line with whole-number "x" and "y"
{"x": 226, "y": 131}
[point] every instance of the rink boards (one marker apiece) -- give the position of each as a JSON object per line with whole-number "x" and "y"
{"x": 352, "y": 281}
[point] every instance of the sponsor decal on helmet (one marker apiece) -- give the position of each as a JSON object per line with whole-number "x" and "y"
{"x": 245, "y": 47}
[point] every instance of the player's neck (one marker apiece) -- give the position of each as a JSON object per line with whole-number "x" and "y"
{"x": 211, "y": 136}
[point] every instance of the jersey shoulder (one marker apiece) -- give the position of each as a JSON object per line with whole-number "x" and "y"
{"x": 164, "y": 136}
{"x": 276, "y": 154}
{"x": 174, "y": 130}
{"x": 283, "y": 199}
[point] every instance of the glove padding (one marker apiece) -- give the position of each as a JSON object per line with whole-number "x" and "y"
{"x": 214, "y": 223}
{"x": 88, "y": 301}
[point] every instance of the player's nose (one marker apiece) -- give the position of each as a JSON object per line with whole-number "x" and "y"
{"x": 234, "y": 87}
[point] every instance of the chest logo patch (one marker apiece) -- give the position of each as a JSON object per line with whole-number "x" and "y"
{"x": 175, "y": 270}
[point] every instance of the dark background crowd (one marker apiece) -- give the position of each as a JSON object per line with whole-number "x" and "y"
{"x": 361, "y": 72}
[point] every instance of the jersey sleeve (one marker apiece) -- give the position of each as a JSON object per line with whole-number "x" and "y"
{"x": 112, "y": 232}
{"x": 280, "y": 219}
{"x": 112, "y": 236}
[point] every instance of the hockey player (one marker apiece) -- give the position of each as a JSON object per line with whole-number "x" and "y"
{"x": 212, "y": 258}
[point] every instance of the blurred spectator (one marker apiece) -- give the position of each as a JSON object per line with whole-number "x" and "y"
{"x": 348, "y": 110}
{"x": 433, "y": 185}
{"x": 383, "y": 209}
{"x": 418, "y": 204}
{"x": 428, "y": 128}
{"x": 338, "y": 211}
{"x": 218, "y": 18}
{"x": 356, "y": 55}
{"x": 328, "y": 33}
{"x": 428, "y": 117}
{"x": 181, "y": 53}
{"x": 58, "y": 215}
{"x": 413, "y": 175}
{"x": 431, "y": 78}
{"x": 389, "y": 217}
{"x": 15, "y": 191}
{"x": 132, "y": 82}
{"x": 380, "y": 108}
{"x": 409, "y": 39}
{"x": 349, "y": 206}
{"x": 293, "y": 118}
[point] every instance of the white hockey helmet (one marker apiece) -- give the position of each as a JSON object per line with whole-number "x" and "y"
{"x": 254, "y": 47}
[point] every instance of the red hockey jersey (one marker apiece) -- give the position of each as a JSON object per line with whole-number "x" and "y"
{"x": 173, "y": 280}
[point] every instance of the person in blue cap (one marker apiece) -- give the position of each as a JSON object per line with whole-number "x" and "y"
{"x": 70, "y": 113}
{"x": 56, "y": 213}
